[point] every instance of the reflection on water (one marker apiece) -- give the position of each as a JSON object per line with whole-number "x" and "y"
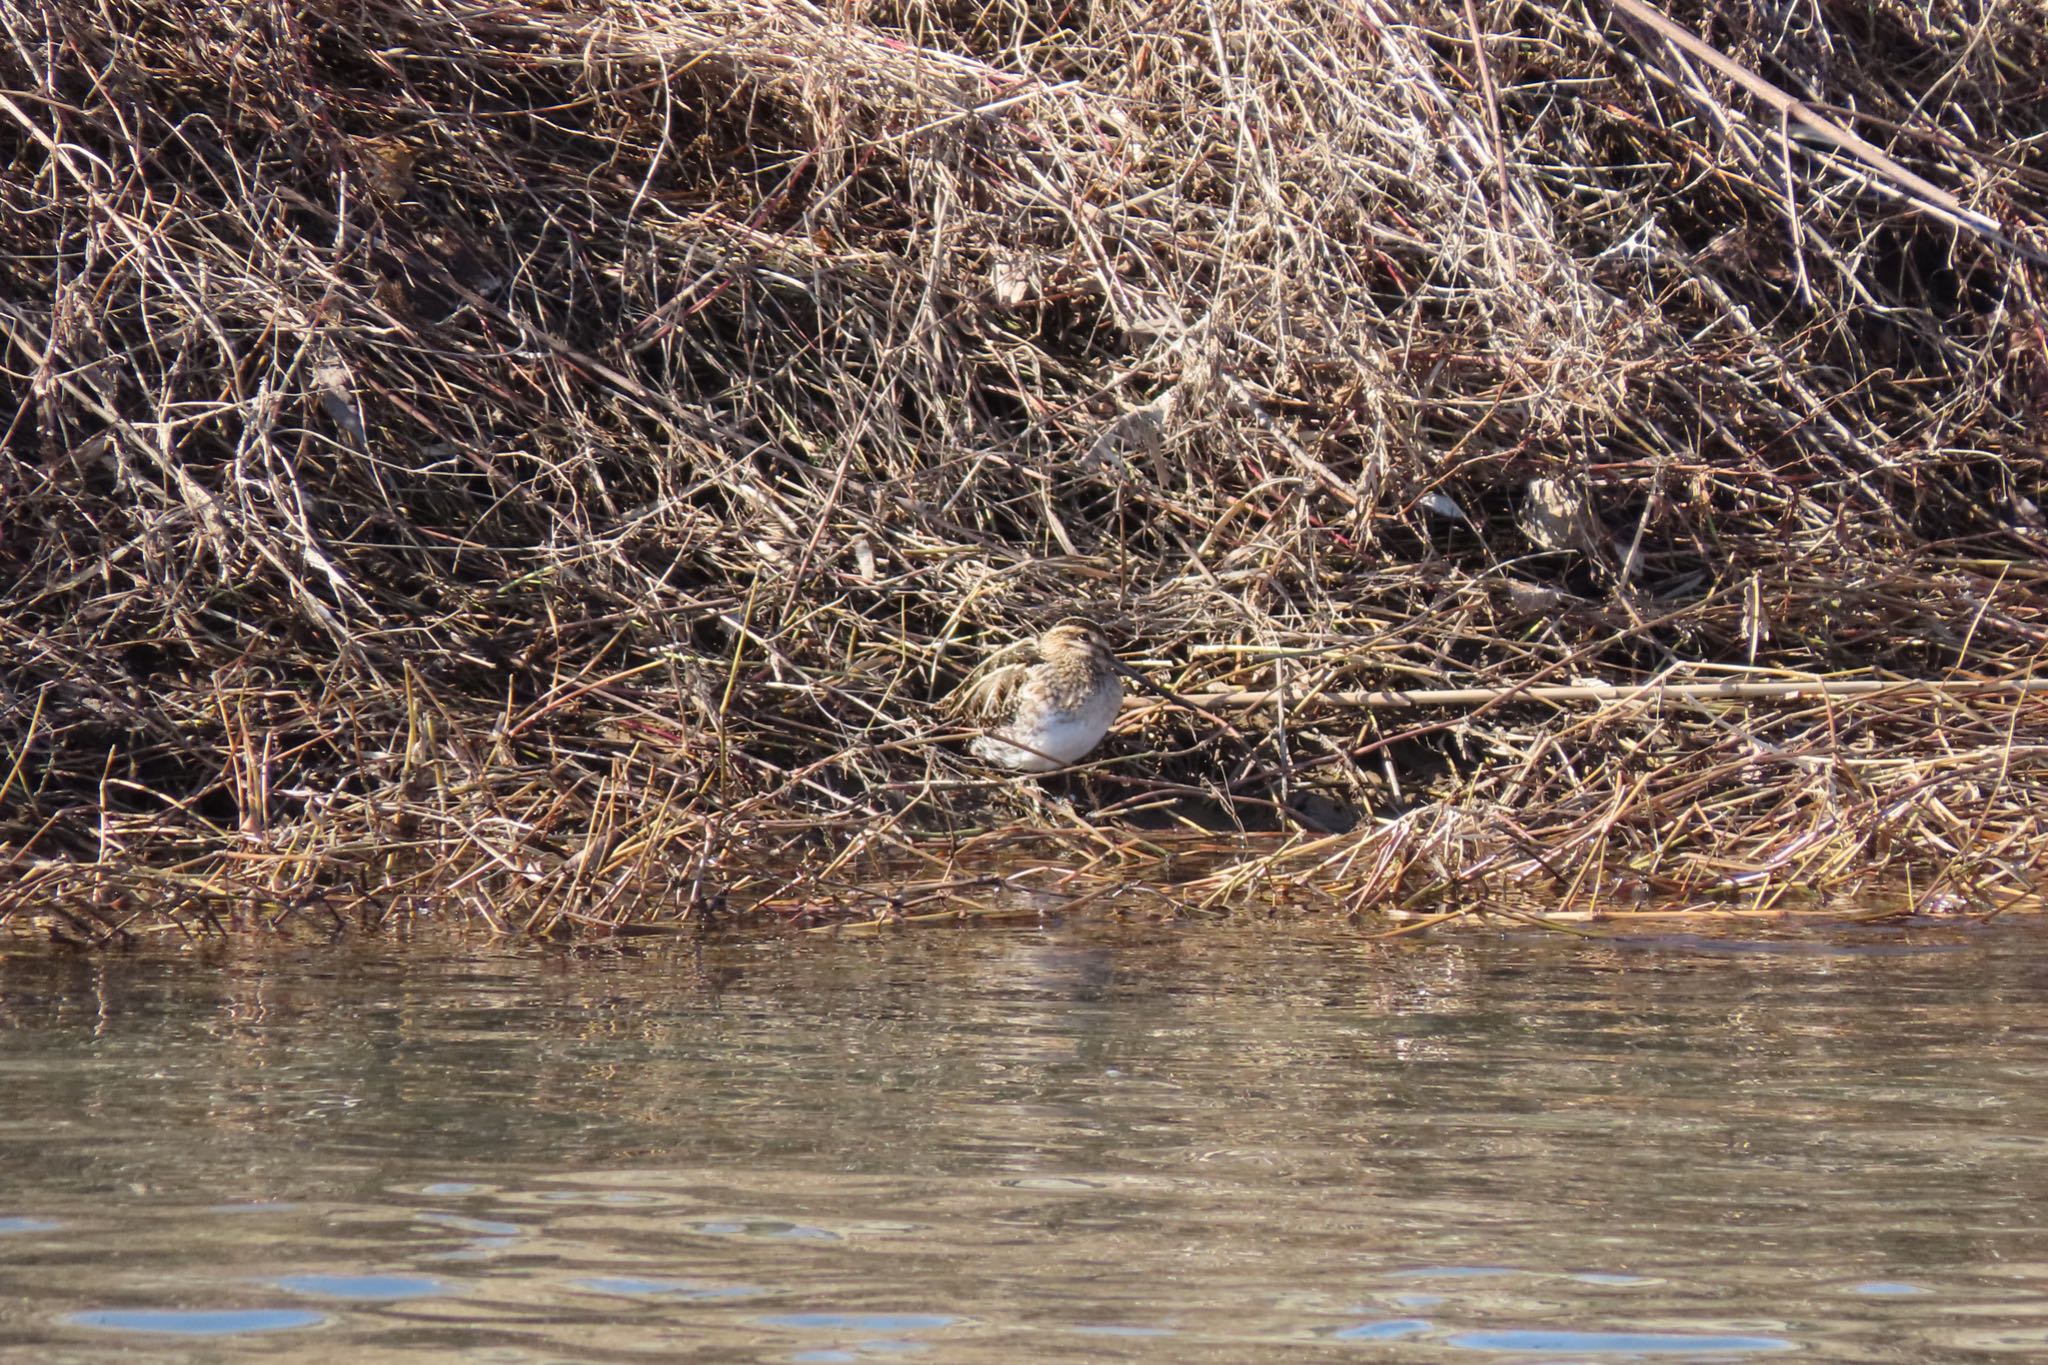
{"x": 1083, "y": 1143}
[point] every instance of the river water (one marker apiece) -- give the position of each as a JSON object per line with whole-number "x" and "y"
{"x": 1189, "y": 1142}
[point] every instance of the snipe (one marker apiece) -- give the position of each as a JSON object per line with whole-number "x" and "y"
{"x": 1044, "y": 703}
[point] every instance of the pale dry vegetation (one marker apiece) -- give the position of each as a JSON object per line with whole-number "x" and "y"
{"x": 544, "y": 461}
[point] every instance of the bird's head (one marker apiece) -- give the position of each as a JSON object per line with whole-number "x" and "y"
{"x": 1075, "y": 635}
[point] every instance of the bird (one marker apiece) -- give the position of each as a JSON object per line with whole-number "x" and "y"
{"x": 1044, "y": 703}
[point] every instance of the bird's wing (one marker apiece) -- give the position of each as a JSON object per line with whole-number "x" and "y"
{"x": 991, "y": 689}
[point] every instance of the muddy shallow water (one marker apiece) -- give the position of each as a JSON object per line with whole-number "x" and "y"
{"x": 1083, "y": 1142}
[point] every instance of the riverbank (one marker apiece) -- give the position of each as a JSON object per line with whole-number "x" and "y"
{"x": 546, "y": 463}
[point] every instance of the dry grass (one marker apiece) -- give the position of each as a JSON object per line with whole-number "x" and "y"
{"x": 543, "y": 461}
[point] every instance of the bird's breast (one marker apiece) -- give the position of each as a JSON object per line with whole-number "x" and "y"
{"x": 1054, "y": 727}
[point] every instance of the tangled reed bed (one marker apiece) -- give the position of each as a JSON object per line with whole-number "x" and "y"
{"x": 544, "y": 461}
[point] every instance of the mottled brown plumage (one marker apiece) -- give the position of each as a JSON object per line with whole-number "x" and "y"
{"x": 1043, "y": 703}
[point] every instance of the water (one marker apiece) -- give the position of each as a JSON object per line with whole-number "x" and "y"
{"x": 1088, "y": 1142}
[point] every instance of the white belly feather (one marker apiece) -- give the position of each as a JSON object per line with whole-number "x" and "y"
{"x": 1055, "y": 738}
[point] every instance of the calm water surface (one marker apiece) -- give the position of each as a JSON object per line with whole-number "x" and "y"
{"x": 1191, "y": 1143}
